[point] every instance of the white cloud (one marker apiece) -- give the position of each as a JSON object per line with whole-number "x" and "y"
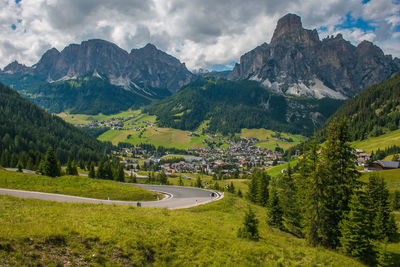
{"x": 201, "y": 33}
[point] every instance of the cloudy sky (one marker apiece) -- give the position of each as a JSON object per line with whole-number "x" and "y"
{"x": 208, "y": 34}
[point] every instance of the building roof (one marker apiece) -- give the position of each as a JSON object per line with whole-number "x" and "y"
{"x": 388, "y": 164}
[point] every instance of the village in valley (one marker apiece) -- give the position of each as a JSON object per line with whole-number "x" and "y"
{"x": 217, "y": 156}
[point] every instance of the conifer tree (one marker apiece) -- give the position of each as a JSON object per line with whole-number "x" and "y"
{"x": 314, "y": 192}
{"x": 20, "y": 166}
{"x": 51, "y": 166}
{"x": 274, "y": 210}
{"x": 338, "y": 174}
{"x": 198, "y": 182}
{"x": 180, "y": 181}
{"x": 101, "y": 174}
{"x": 119, "y": 173}
{"x": 74, "y": 168}
{"x": 231, "y": 188}
{"x": 14, "y": 160}
{"x": 68, "y": 170}
{"x": 250, "y": 226}
{"x": 262, "y": 189}
{"x": 30, "y": 164}
{"x": 253, "y": 187}
{"x": 355, "y": 236}
{"x": 379, "y": 210}
{"x": 288, "y": 196}
{"x": 92, "y": 173}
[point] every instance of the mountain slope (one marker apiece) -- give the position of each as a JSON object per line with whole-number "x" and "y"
{"x": 143, "y": 73}
{"x": 26, "y": 127}
{"x": 229, "y": 106}
{"x": 296, "y": 62}
{"x": 375, "y": 110}
{"x": 86, "y": 95}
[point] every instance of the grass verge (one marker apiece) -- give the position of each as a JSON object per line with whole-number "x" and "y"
{"x": 75, "y": 186}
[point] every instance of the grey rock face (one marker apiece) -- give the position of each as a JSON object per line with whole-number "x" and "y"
{"x": 147, "y": 69}
{"x": 296, "y": 62}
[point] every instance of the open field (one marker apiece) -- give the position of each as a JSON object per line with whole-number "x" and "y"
{"x": 86, "y": 119}
{"x": 166, "y": 137}
{"x": 75, "y": 186}
{"x": 391, "y": 177}
{"x": 48, "y": 233}
{"x": 381, "y": 142}
{"x": 266, "y": 140}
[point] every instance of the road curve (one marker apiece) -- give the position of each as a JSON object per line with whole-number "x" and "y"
{"x": 177, "y": 197}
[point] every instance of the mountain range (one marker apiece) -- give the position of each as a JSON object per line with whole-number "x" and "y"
{"x": 98, "y": 76}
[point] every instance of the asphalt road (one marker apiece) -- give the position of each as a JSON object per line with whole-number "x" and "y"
{"x": 177, "y": 197}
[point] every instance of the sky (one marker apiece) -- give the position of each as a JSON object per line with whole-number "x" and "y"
{"x": 208, "y": 34}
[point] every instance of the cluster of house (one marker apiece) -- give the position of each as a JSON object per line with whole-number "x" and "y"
{"x": 116, "y": 124}
{"x": 364, "y": 159}
{"x": 239, "y": 157}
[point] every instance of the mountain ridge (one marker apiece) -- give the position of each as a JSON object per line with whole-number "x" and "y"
{"x": 145, "y": 68}
{"x": 297, "y": 62}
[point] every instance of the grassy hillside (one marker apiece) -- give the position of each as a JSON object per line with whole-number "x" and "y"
{"x": 75, "y": 186}
{"x": 391, "y": 177}
{"x": 49, "y": 233}
{"x": 267, "y": 139}
{"x": 380, "y": 142}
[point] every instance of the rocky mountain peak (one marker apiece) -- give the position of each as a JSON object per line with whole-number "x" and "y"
{"x": 290, "y": 30}
{"x": 14, "y": 67}
{"x": 296, "y": 62}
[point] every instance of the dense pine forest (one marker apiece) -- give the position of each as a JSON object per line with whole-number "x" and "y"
{"x": 230, "y": 106}
{"x": 28, "y": 131}
{"x": 375, "y": 110}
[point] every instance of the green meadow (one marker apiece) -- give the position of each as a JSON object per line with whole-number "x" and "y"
{"x": 75, "y": 186}
{"x": 36, "y": 232}
{"x": 266, "y": 139}
{"x": 379, "y": 142}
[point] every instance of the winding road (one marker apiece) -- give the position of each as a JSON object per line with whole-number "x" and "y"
{"x": 177, "y": 197}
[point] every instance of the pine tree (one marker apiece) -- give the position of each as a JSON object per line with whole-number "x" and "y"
{"x": 274, "y": 210}
{"x": 180, "y": 181}
{"x": 14, "y": 160}
{"x": 288, "y": 196}
{"x": 101, "y": 174}
{"x": 338, "y": 174}
{"x": 198, "y": 182}
{"x": 50, "y": 164}
{"x": 253, "y": 187}
{"x": 68, "y": 170}
{"x": 379, "y": 210}
{"x": 314, "y": 192}
{"x": 262, "y": 189}
{"x": 355, "y": 236}
{"x": 231, "y": 188}
{"x": 250, "y": 226}
{"x": 119, "y": 174}
{"x": 5, "y": 159}
{"x": 92, "y": 173}
{"x": 20, "y": 166}
{"x": 30, "y": 164}
{"x": 74, "y": 169}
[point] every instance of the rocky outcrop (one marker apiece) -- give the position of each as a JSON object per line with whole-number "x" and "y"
{"x": 297, "y": 62}
{"x": 14, "y": 67}
{"x": 146, "y": 69}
